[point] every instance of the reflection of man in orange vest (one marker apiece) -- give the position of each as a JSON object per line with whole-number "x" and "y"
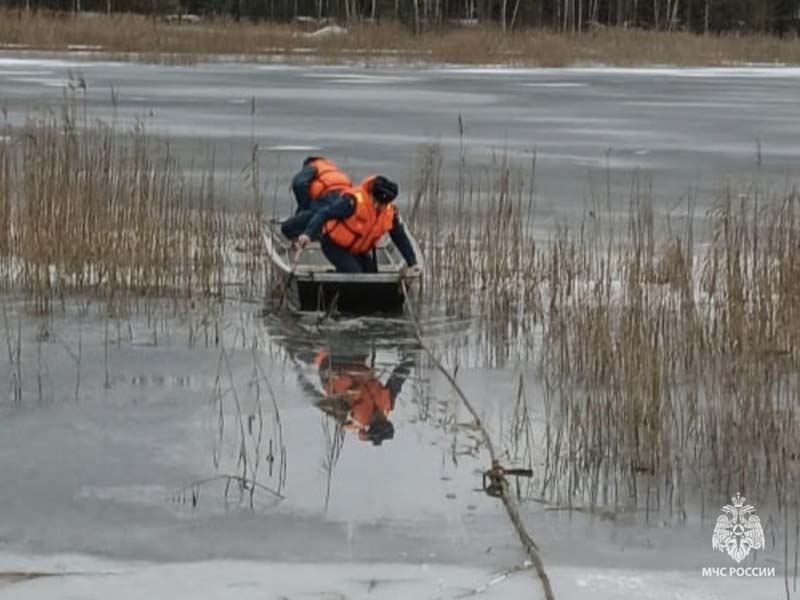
{"x": 316, "y": 185}
{"x": 357, "y": 399}
{"x": 351, "y": 227}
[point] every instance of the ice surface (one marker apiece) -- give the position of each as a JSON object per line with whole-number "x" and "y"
{"x": 98, "y": 486}
{"x": 92, "y": 579}
{"x": 691, "y": 128}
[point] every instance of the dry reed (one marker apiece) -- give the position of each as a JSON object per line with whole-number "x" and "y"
{"x": 86, "y": 210}
{"x": 667, "y": 371}
{"x": 667, "y": 374}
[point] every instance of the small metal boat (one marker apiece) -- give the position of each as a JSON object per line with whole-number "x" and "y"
{"x": 306, "y": 281}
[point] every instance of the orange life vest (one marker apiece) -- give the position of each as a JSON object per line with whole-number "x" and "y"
{"x": 361, "y": 231}
{"x": 329, "y": 178}
{"x": 364, "y": 394}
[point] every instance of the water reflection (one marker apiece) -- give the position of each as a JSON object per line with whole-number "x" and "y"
{"x": 353, "y": 372}
{"x": 355, "y": 395}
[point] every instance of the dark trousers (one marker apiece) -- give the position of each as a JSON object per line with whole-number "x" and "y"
{"x": 306, "y": 208}
{"x": 346, "y": 262}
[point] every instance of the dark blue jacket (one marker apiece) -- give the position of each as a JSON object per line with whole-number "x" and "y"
{"x": 300, "y": 186}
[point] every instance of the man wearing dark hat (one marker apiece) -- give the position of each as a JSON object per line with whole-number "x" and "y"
{"x": 351, "y": 227}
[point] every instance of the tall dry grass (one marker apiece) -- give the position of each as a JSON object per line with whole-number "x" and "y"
{"x": 87, "y": 210}
{"x": 674, "y": 375}
{"x": 481, "y": 257}
{"x": 123, "y": 33}
{"x": 666, "y": 370}
{"x": 145, "y": 38}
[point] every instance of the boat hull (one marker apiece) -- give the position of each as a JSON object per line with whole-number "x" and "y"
{"x": 306, "y": 281}
{"x": 350, "y": 297}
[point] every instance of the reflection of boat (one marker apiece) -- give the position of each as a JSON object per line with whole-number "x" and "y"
{"x": 308, "y": 282}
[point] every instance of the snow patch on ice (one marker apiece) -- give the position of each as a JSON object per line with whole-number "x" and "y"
{"x": 31, "y": 73}
{"x": 289, "y": 148}
{"x": 760, "y": 71}
{"x": 84, "y": 47}
{"x": 75, "y": 576}
{"x": 555, "y": 84}
{"x": 37, "y": 62}
{"x": 47, "y": 82}
{"x": 96, "y": 579}
{"x": 609, "y": 581}
{"x": 132, "y": 494}
{"x": 360, "y": 78}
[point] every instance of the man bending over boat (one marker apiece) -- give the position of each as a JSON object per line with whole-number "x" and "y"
{"x": 316, "y": 185}
{"x": 350, "y": 227}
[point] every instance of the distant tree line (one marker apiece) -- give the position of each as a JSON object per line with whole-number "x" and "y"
{"x": 763, "y": 16}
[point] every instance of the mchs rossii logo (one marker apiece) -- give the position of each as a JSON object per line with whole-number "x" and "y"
{"x": 738, "y": 530}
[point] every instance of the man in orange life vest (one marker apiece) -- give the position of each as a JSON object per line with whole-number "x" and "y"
{"x": 357, "y": 399}
{"x": 351, "y": 226}
{"x": 316, "y": 185}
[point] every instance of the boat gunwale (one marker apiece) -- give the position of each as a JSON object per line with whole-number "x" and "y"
{"x": 314, "y": 273}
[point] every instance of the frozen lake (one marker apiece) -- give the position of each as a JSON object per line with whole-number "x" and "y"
{"x": 681, "y": 130}
{"x": 109, "y": 468}
{"x": 110, "y": 462}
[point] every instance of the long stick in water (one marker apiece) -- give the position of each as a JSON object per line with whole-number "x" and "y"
{"x": 287, "y": 286}
{"x": 508, "y": 500}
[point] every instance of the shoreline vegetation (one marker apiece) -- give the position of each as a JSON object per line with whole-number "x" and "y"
{"x": 127, "y": 36}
